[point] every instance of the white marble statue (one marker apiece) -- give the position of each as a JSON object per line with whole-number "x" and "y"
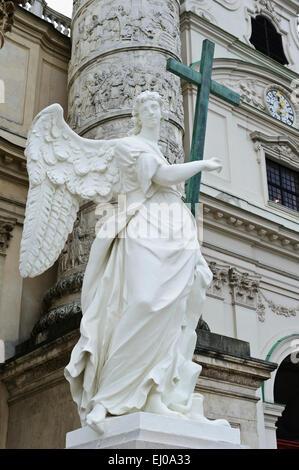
{"x": 142, "y": 294}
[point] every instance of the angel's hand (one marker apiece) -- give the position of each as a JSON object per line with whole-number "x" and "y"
{"x": 213, "y": 164}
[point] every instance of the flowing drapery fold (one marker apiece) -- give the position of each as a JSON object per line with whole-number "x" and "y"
{"x": 142, "y": 294}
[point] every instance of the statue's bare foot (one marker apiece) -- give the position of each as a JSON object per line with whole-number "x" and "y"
{"x": 155, "y": 405}
{"x": 95, "y": 419}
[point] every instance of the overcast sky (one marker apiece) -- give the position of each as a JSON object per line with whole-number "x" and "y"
{"x": 63, "y": 6}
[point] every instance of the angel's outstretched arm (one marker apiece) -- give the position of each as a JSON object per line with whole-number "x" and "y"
{"x": 178, "y": 173}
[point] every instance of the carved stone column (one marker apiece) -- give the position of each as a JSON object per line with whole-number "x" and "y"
{"x": 119, "y": 49}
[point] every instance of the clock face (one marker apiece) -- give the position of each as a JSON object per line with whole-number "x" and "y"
{"x": 280, "y": 107}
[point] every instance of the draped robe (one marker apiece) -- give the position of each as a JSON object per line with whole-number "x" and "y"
{"x": 142, "y": 295}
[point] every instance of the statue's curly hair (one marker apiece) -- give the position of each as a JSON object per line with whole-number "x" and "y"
{"x": 142, "y": 98}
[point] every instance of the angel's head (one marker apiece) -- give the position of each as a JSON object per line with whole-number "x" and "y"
{"x": 148, "y": 110}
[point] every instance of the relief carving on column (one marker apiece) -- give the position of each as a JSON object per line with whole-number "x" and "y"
{"x": 74, "y": 255}
{"x": 120, "y": 24}
{"x": 111, "y": 87}
{"x": 119, "y": 49}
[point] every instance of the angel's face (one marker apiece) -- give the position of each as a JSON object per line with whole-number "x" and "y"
{"x": 150, "y": 113}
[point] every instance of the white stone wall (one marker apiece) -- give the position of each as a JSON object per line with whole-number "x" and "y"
{"x": 252, "y": 243}
{"x": 232, "y": 18}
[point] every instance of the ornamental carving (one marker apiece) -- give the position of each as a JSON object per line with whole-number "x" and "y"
{"x": 54, "y": 317}
{"x": 245, "y": 291}
{"x": 69, "y": 285}
{"x": 116, "y": 24}
{"x": 282, "y": 148}
{"x": 6, "y": 228}
{"x": 220, "y": 279}
{"x": 230, "y": 4}
{"x": 112, "y": 87}
{"x": 201, "y": 9}
{"x": 244, "y": 288}
{"x": 77, "y": 4}
{"x": 278, "y": 309}
{"x": 267, "y": 7}
{"x": 281, "y": 240}
{"x": 250, "y": 91}
{"x": 76, "y": 250}
{"x": 7, "y": 10}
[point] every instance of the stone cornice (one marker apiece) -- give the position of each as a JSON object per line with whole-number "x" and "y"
{"x": 36, "y": 29}
{"x": 250, "y": 372}
{"x": 233, "y": 44}
{"x": 236, "y": 222}
{"x": 40, "y": 368}
{"x": 284, "y": 148}
{"x": 13, "y": 162}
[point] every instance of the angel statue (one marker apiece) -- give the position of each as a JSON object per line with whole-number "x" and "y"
{"x": 143, "y": 290}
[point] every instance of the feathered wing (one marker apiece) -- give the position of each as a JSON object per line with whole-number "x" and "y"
{"x": 63, "y": 168}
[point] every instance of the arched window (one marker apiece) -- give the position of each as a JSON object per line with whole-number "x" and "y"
{"x": 266, "y": 39}
{"x": 286, "y": 391}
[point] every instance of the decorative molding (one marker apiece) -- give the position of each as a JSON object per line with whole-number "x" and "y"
{"x": 249, "y": 89}
{"x": 282, "y": 148}
{"x": 39, "y": 368}
{"x": 110, "y": 89}
{"x": 260, "y": 309}
{"x": 13, "y": 162}
{"x": 220, "y": 279}
{"x": 116, "y": 25}
{"x": 200, "y": 8}
{"x": 278, "y": 309}
{"x": 6, "y": 228}
{"x": 53, "y": 317}
{"x": 69, "y": 285}
{"x": 76, "y": 250}
{"x": 7, "y": 11}
{"x": 40, "y": 8}
{"x": 230, "y": 4}
{"x": 252, "y": 230}
{"x": 243, "y": 49}
{"x": 267, "y": 8}
{"x": 244, "y": 288}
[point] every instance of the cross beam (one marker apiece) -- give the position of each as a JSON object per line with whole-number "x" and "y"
{"x": 205, "y": 86}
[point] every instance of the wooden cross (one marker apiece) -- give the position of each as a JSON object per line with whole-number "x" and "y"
{"x": 205, "y": 86}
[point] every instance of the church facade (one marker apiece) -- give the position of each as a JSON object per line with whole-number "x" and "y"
{"x": 94, "y": 65}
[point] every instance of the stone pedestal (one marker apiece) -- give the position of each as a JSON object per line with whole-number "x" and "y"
{"x": 150, "y": 431}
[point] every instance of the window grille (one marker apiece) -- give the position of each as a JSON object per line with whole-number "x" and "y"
{"x": 283, "y": 185}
